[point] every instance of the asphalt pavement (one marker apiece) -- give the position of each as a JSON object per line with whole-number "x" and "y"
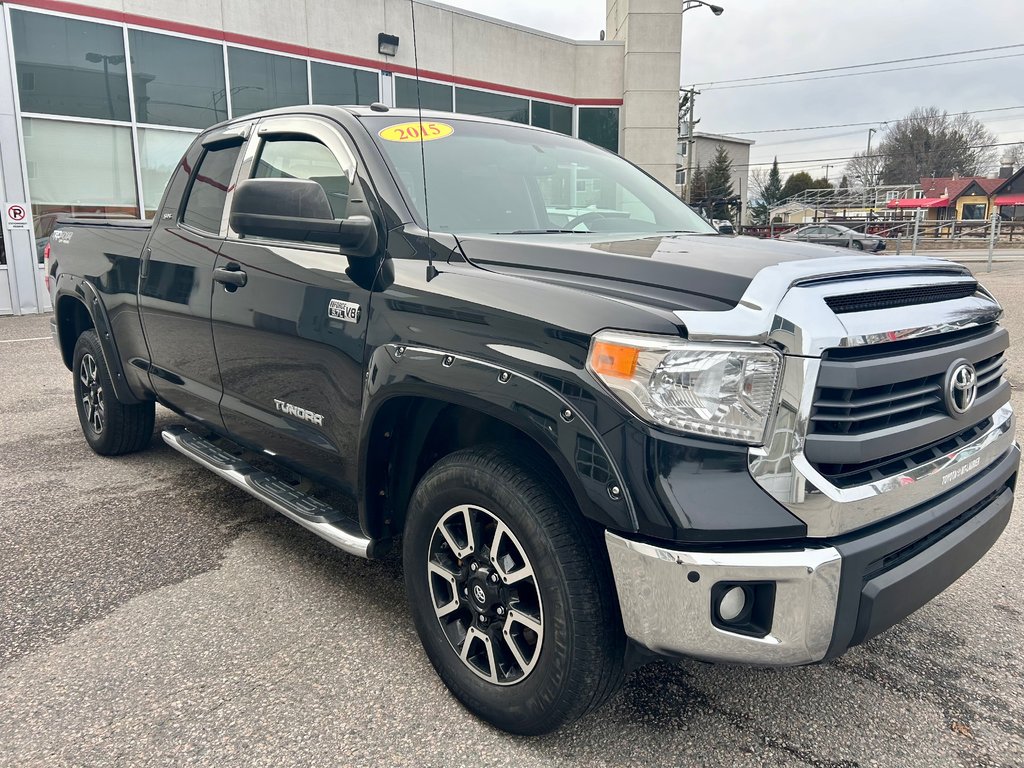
{"x": 151, "y": 614}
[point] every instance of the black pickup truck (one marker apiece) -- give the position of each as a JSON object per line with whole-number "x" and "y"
{"x": 600, "y": 430}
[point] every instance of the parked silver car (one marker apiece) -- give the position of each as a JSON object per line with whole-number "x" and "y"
{"x": 834, "y": 234}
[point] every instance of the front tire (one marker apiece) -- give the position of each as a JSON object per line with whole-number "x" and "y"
{"x": 510, "y": 592}
{"x": 857, "y": 245}
{"x": 111, "y": 428}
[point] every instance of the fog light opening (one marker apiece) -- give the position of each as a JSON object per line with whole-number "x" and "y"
{"x": 744, "y": 608}
{"x": 732, "y": 604}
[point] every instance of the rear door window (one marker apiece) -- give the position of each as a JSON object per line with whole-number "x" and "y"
{"x": 204, "y": 208}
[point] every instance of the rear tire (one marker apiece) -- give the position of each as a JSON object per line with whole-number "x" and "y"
{"x": 531, "y": 575}
{"x": 111, "y": 428}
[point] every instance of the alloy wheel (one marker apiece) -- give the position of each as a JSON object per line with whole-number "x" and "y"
{"x": 91, "y": 393}
{"x": 485, "y": 595}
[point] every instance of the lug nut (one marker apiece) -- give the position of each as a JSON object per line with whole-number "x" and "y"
{"x": 473, "y": 566}
{"x": 483, "y": 619}
{"x": 494, "y": 578}
{"x": 465, "y": 591}
{"x": 500, "y": 611}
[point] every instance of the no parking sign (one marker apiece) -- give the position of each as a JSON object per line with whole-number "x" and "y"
{"x": 17, "y": 216}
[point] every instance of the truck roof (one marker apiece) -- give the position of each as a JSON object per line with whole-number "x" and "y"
{"x": 357, "y": 111}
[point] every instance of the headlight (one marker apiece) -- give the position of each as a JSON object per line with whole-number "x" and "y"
{"x": 718, "y": 390}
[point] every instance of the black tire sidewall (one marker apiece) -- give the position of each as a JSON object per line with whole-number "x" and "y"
{"x": 858, "y": 245}
{"x": 527, "y": 706}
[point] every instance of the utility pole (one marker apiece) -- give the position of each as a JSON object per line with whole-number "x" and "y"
{"x": 869, "y": 168}
{"x": 687, "y": 96}
{"x": 826, "y": 167}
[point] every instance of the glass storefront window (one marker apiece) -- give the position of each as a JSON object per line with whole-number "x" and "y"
{"x": 554, "y": 117}
{"x": 79, "y": 169}
{"x": 159, "y": 154}
{"x": 264, "y": 81}
{"x": 600, "y": 125}
{"x": 432, "y": 95}
{"x": 343, "y": 85}
{"x": 496, "y": 105}
{"x": 177, "y": 81}
{"x": 70, "y": 67}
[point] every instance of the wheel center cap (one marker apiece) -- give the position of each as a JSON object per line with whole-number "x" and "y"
{"x": 479, "y": 594}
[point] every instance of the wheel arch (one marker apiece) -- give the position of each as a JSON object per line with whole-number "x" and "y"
{"x": 417, "y": 418}
{"x": 78, "y": 308}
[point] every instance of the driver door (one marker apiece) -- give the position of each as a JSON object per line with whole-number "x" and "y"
{"x": 291, "y": 363}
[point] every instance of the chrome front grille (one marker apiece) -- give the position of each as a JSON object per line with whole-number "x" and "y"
{"x": 876, "y": 409}
{"x": 853, "y": 411}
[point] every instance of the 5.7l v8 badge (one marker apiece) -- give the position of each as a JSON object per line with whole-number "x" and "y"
{"x": 346, "y": 311}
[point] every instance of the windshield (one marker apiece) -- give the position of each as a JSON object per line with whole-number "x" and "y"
{"x": 505, "y": 179}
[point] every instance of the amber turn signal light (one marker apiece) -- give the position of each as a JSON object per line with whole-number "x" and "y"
{"x": 607, "y": 359}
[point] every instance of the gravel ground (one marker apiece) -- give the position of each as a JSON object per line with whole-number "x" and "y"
{"x": 152, "y": 614}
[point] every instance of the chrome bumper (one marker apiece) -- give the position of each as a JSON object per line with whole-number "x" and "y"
{"x": 665, "y": 599}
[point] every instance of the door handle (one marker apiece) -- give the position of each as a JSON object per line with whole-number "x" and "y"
{"x": 231, "y": 278}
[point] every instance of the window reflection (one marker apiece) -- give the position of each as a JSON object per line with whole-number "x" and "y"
{"x": 496, "y": 105}
{"x": 177, "y": 81}
{"x": 343, "y": 85}
{"x": 264, "y": 81}
{"x": 432, "y": 95}
{"x": 70, "y": 67}
{"x": 600, "y": 125}
{"x": 554, "y": 117}
{"x": 78, "y": 168}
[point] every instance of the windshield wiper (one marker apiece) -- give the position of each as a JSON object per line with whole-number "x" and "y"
{"x": 541, "y": 232}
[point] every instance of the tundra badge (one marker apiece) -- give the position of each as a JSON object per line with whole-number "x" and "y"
{"x": 299, "y": 413}
{"x": 346, "y": 311}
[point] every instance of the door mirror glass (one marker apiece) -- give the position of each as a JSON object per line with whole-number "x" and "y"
{"x": 298, "y": 210}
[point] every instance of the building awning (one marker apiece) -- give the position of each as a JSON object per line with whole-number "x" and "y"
{"x": 918, "y": 202}
{"x": 1010, "y": 199}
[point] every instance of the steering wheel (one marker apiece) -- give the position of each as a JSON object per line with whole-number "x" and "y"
{"x": 583, "y": 218}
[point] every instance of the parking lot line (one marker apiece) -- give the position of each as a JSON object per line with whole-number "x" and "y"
{"x": 15, "y": 341}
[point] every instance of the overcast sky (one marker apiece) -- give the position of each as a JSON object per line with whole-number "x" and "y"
{"x": 759, "y": 37}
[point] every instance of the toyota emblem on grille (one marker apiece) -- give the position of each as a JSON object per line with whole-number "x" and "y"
{"x": 961, "y": 387}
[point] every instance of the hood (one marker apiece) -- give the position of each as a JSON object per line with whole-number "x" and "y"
{"x": 682, "y": 271}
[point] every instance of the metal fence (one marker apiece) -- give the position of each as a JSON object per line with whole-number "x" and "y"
{"x": 917, "y": 234}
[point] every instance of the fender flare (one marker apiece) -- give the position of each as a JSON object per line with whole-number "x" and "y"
{"x": 85, "y": 293}
{"x": 522, "y": 401}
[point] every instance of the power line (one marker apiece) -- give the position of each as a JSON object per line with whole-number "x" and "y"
{"x": 877, "y": 156}
{"x": 855, "y": 125}
{"x": 861, "y": 66}
{"x": 855, "y": 74}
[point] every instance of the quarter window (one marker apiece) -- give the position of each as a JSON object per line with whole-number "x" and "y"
{"x": 204, "y": 208}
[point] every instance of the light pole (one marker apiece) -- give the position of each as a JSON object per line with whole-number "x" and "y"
{"x": 686, "y": 100}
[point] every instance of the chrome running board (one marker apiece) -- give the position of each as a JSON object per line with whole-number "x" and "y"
{"x": 308, "y": 511}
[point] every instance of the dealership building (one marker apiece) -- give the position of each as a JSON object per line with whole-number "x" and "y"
{"x": 99, "y": 100}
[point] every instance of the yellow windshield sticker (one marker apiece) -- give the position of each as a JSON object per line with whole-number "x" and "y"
{"x": 427, "y": 131}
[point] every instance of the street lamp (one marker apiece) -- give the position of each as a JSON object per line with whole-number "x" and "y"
{"x": 715, "y": 9}
{"x": 718, "y": 10}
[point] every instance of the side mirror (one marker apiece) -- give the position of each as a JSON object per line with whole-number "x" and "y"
{"x": 298, "y": 209}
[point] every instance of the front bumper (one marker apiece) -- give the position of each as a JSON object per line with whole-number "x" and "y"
{"x": 826, "y": 596}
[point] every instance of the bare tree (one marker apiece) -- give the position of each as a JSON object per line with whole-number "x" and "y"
{"x": 931, "y": 142}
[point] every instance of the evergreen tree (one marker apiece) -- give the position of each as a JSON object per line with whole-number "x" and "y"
{"x": 719, "y": 184}
{"x": 768, "y": 192}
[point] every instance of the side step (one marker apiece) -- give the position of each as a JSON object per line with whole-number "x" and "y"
{"x": 306, "y": 510}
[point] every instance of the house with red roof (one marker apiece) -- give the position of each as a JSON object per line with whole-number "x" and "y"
{"x": 964, "y": 198}
{"x": 1008, "y": 197}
